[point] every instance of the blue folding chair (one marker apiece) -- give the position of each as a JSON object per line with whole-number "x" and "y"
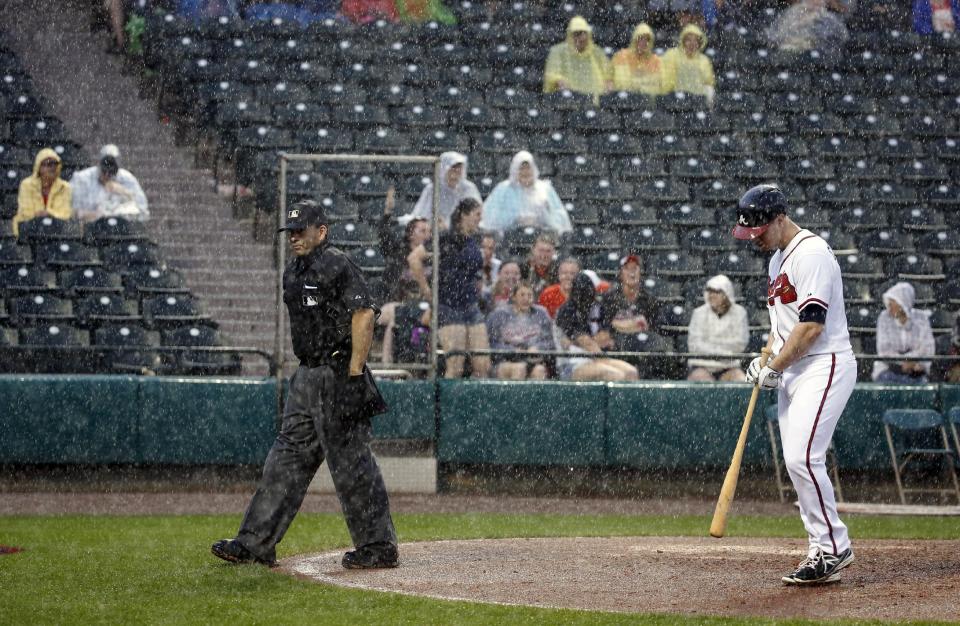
{"x": 953, "y": 420}
{"x": 913, "y": 424}
{"x": 785, "y": 486}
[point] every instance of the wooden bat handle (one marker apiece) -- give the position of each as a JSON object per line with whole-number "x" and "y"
{"x": 719, "y": 524}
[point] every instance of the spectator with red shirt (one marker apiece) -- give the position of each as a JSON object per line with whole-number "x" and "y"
{"x": 541, "y": 267}
{"x": 553, "y": 297}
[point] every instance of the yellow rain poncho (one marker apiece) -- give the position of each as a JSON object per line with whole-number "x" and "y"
{"x": 30, "y": 200}
{"x": 692, "y": 74}
{"x": 584, "y": 72}
{"x": 636, "y": 73}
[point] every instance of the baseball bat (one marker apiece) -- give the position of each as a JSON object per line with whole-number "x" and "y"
{"x": 719, "y": 524}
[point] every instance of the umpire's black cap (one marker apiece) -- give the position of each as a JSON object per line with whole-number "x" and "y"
{"x": 302, "y": 214}
{"x": 758, "y": 207}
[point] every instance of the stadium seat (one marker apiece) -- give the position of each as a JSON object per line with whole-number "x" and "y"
{"x": 914, "y": 434}
{"x": 58, "y": 255}
{"x": 44, "y": 229}
{"x": 87, "y": 280}
{"x": 647, "y": 239}
{"x": 96, "y": 309}
{"x": 861, "y": 266}
{"x": 108, "y": 230}
{"x": 200, "y": 362}
{"x": 125, "y": 256}
{"x": 674, "y": 264}
{"x": 40, "y": 307}
{"x": 163, "y": 312}
{"x": 13, "y": 254}
{"x": 17, "y": 278}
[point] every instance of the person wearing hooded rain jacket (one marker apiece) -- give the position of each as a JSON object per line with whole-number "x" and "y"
{"x": 524, "y": 200}
{"x": 454, "y": 187}
{"x": 578, "y": 64}
{"x": 43, "y": 193}
{"x": 686, "y": 68}
{"x": 637, "y": 69}
{"x": 903, "y": 332}
{"x": 808, "y": 25}
{"x": 718, "y": 326}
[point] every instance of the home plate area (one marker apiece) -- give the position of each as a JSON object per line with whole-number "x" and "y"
{"x": 890, "y": 580}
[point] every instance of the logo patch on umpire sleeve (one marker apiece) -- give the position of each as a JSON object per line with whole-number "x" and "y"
{"x": 309, "y": 300}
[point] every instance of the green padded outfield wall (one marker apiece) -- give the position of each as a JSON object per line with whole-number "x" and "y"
{"x": 127, "y": 419}
{"x": 522, "y": 422}
{"x": 56, "y": 419}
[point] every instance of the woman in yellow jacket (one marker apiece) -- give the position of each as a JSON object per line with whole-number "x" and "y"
{"x": 637, "y": 69}
{"x": 43, "y": 193}
{"x": 686, "y": 67}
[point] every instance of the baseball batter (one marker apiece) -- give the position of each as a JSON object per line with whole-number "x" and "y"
{"x": 812, "y": 365}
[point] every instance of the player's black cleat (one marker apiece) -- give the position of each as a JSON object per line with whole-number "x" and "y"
{"x": 820, "y": 569}
{"x": 233, "y": 551}
{"x": 372, "y": 556}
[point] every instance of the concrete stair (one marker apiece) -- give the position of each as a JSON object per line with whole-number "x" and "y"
{"x": 222, "y": 263}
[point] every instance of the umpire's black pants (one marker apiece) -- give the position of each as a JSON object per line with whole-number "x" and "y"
{"x": 316, "y": 426}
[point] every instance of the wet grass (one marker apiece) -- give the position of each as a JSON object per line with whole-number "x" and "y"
{"x": 158, "y": 570}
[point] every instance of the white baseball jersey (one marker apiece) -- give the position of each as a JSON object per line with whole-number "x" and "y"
{"x": 804, "y": 273}
{"x": 815, "y": 389}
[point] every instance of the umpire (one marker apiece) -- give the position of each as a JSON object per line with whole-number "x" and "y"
{"x": 331, "y": 399}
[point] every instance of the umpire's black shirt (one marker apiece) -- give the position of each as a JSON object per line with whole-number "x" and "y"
{"x": 322, "y": 290}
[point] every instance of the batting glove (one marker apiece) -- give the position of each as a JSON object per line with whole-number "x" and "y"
{"x": 763, "y": 376}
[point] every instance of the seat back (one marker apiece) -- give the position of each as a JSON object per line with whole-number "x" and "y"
{"x": 912, "y": 419}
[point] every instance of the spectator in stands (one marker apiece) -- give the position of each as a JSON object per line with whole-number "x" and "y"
{"x": 522, "y": 325}
{"x": 454, "y": 187}
{"x": 578, "y": 64}
{"x": 553, "y": 296}
{"x": 903, "y": 332}
{"x": 541, "y": 267}
{"x": 718, "y": 326}
{"x": 636, "y": 68}
{"x": 419, "y": 11}
{"x": 367, "y": 11}
{"x": 670, "y": 14}
{"x": 936, "y": 16}
{"x": 407, "y": 270}
{"x": 507, "y": 279}
{"x": 686, "y": 68}
{"x": 808, "y": 25}
{"x": 43, "y": 193}
{"x": 578, "y": 322}
{"x": 879, "y": 15}
{"x": 626, "y": 309}
{"x": 491, "y": 264}
{"x": 461, "y": 322}
{"x": 524, "y": 200}
{"x": 304, "y": 12}
{"x": 107, "y": 190}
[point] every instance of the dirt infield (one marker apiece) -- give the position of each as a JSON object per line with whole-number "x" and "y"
{"x": 890, "y": 580}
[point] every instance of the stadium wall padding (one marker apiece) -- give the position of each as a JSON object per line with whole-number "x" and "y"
{"x": 676, "y": 425}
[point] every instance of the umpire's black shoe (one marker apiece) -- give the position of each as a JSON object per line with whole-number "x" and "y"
{"x": 372, "y": 556}
{"x": 820, "y": 568}
{"x": 233, "y": 551}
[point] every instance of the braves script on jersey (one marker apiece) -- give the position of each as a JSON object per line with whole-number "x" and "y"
{"x": 806, "y": 272}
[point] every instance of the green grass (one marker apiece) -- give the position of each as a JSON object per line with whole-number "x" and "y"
{"x": 158, "y": 570}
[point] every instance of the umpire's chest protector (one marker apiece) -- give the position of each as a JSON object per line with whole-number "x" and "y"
{"x": 319, "y": 323}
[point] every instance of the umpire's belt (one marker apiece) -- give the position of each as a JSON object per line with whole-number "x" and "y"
{"x": 338, "y": 357}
